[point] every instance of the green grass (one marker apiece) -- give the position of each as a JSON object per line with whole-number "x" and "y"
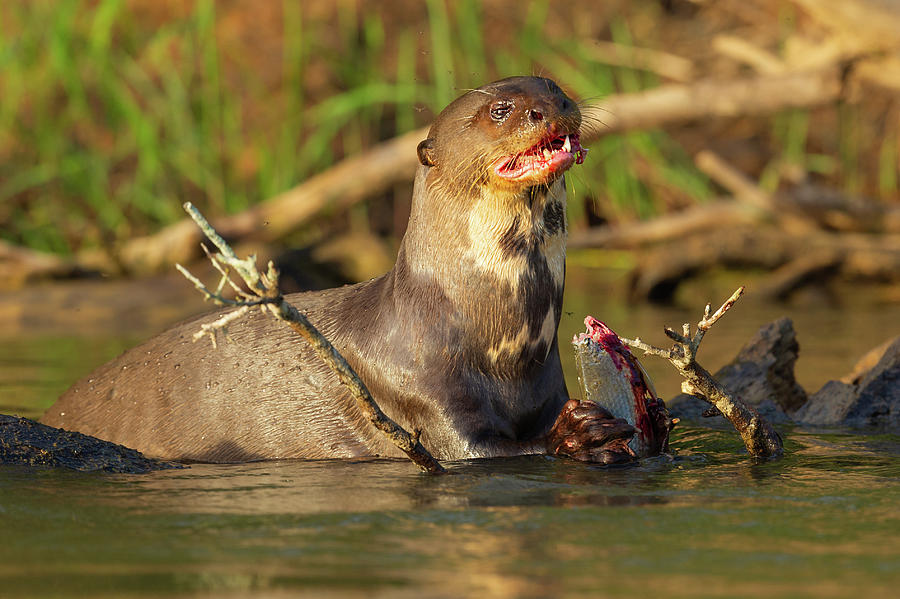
{"x": 888, "y": 161}
{"x": 107, "y": 124}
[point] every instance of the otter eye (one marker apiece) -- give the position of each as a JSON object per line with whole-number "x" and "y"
{"x": 501, "y": 109}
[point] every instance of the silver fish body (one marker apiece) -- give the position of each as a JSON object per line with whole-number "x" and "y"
{"x": 610, "y": 376}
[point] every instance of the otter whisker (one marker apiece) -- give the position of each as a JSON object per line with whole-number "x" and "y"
{"x": 481, "y": 91}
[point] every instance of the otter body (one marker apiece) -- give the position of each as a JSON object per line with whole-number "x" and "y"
{"x": 458, "y": 340}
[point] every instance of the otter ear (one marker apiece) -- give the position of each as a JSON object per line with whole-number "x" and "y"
{"x": 426, "y": 152}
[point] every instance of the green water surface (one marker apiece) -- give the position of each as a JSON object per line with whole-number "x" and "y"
{"x": 821, "y": 522}
{"x": 707, "y": 521}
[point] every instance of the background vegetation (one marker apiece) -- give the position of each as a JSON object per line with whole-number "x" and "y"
{"x": 114, "y": 112}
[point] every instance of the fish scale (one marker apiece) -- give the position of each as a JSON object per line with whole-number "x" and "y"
{"x": 610, "y": 376}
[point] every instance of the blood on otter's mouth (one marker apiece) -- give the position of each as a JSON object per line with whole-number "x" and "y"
{"x": 548, "y": 156}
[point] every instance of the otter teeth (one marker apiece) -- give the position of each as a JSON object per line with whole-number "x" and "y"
{"x": 546, "y": 157}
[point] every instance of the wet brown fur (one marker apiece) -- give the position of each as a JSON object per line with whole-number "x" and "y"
{"x": 458, "y": 340}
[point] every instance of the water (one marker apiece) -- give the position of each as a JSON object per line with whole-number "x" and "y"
{"x": 821, "y": 522}
{"x": 824, "y": 521}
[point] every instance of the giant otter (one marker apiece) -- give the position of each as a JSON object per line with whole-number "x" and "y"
{"x": 458, "y": 340}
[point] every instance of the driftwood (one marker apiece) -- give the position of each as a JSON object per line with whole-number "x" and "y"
{"x": 759, "y": 437}
{"x": 371, "y": 173}
{"x": 762, "y": 375}
{"x": 792, "y": 234}
{"x": 792, "y": 260}
{"x": 741, "y": 187}
{"x": 832, "y": 210}
{"x": 857, "y": 29}
{"x": 671, "y": 227}
{"x": 804, "y": 206}
{"x": 348, "y": 182}
{"x": 264, "y": 293}
{"x": 858, "y": 32}
{"x": 792, "y": 228}
{"x": 664, "y": 64}
{"x": 677, "y": 103}
{"x": 19, "y": 266}
{"x": 801, "y": 235}
{"x": 742, "y": 51}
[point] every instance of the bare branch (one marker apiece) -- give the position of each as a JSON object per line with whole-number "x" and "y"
{"x": 246, "y": 268}
{"x": 226, "y": 275}
{"x": 708, "y": 321}
{"x": 220, "y": 324}
{"x": 216, "y": 296}
{"x": 637, "y": 343}
{"x": 675, "y": 336}
{"x": 759, "y": 437}
{"x": 266, "y": 294}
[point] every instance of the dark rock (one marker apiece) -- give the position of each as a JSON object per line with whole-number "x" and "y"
{"x": 24, "y": 441}
{"x": 829, "y": 405}
{"x": 865, "y": 364}
{"x": 873, "y": 401}
{"x": 770, "y": 354}
{"x": 688, "y": 407}
{"x": 762, "y": 375}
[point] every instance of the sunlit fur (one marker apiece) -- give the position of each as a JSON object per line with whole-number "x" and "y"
{"x": 469, "y": 212}
{"x": 457, "y": 341}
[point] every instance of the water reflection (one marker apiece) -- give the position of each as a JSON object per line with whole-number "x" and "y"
{"x": 315, "y": 487}
{"x": 705, "y": 464}
{"x": 709, "y": 520}
{"x": 533, "y": 526}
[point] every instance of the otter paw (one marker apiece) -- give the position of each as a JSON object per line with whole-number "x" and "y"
{"x": 662, "y": 425}
{"x": 587, "y": 432}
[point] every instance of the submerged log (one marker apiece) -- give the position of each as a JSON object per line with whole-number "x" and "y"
{"x": 793, "y": 259}
{"x": 30, "y": 443}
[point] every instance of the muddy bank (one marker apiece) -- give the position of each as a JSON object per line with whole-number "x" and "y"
{"x": 26, "y": 442}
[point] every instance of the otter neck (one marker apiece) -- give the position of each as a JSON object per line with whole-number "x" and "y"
{"x": 498, "y": 256}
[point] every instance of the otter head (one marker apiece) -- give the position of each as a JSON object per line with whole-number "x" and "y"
{"x": 510, "y": 135}
{"x": 487, "y": 224}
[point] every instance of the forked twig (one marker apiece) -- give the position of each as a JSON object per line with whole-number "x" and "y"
{"x": 264, "y": 292}
{"x": 759, "y": 437}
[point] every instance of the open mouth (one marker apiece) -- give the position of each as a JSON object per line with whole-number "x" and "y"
{"x": 548, "y": 156}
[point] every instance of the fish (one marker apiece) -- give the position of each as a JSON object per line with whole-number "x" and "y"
{"x": 610, "y": 376}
